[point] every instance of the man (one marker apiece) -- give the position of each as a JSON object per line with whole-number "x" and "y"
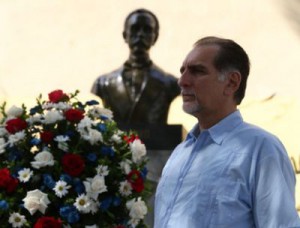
{"x": 227, "y": 173}
{"x": 139, "y": 91}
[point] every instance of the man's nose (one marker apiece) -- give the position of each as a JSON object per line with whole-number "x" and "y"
{"x": 183, "y": 79}
{"x": 141, "y": 32}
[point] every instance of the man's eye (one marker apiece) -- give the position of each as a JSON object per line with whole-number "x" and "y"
{"x": 148, "y": 29}
{"x": 197, "y": 71}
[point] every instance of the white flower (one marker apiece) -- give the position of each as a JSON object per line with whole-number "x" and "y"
{"x": 61, "y": 188}
{"x": 17, "y": 220}
{"x": 83, "y": 203}
{"x": 43, "y": 159}
{"x": 60, "y": 106}
{"x": 102, "y": 170}
{"x": 15, "y": 138}
{"x": 93, "y": 226}
{"x": 62, "y": 138}
{"x": 15, "y": 111}
{"x": 52, "y": 117}
{"x": 3, "y": 131}
{"x": 47, "y": 105}
{"x": 95, "y": 186}
{"x": 138, "y": 150}
{"x": 133, "y": 222}
{"x": 25, "y": 174}
{"x": 62, "y": 142}
{"x": 36, "y": 201}
{"x": 94, "y": 206}
{"x": 36, "y": 118}
{"x": 93, "y": 136}
{"x": 125, "y": 188}
{"x": 2, "y": 145}
{"x": 97, "y": 111}
{"x": 84, "y": 124}
{"x": 116, "y": 138}
{"x": 137, "y": 208}
{"x": 125, "y": 166}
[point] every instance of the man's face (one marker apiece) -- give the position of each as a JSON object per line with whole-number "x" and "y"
{"x": 201, "y": 89}
{"x": 140, "y": 32}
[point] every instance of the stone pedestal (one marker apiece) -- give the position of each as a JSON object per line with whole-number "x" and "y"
{"x": 160, "y": 141}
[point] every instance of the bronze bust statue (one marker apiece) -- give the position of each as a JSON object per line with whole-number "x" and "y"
{"x": 139, "y": 91}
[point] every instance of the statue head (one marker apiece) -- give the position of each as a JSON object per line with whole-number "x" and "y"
{"x": 140, "y": 30}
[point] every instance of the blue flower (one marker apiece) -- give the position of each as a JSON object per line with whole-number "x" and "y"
{"x": 78, "y": 186}
{"x": 65, "y": 177}
{"x": 3, "y": 205}
{"x": 92, "y": 157}
{"x": 104, "y": 117}
{"x": 116, "y": 201}
{"x": 34, "y": 110}
{"x": 144, "y": 173}
{"x": 102, "y": 127}
{"x": 105, "y": 204}
{"x": 92, "y": 102}
{"x": 108, "y": 151}
{"x": 48, "y": 181}
{"x": 69, "y": 213}
{"x": 35, "y": 141}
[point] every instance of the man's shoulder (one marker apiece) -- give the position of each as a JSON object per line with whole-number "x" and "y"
{"x": 256, "y": 135}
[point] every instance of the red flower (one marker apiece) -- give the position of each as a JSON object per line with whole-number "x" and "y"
{"x": 48, "y": 222}
{"x": 120, "y": 226}
{"x": 47, "y": 136}
{"x": 12, "y": 185}
{"x": 136, "y": 180}
{"x": 74, "y": 115}
{"x": 131, "y": 138}
{"x": 73, "y": 164}
{"x": 4, "y": 177}
{"x": 15, "y": 125}
{"x": 8, "y": 182}
{"x": 57, "y": 96}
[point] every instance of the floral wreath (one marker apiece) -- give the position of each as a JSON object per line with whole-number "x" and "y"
{"x": 65, "y": 163}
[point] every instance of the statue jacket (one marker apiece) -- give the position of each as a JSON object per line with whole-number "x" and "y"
{"x": 150, "y": 105}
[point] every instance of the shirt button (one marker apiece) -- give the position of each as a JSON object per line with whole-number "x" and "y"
{"x": 180, "y": 179}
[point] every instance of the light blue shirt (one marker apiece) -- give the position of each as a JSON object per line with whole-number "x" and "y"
{"x": 233, "y": 175}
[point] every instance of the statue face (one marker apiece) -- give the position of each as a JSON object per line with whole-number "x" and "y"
{"x": 140, "y": 32}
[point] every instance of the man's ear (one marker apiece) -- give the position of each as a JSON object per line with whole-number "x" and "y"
{"x": 124, "y": 36}
{"x": 232, "y": 83}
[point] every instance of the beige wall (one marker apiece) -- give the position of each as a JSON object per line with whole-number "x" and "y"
{"x": 50, "y": 44}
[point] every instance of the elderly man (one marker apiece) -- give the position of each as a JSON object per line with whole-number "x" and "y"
{"x": 227, "y": 173}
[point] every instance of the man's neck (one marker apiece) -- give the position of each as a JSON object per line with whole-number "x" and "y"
{"x": 207, "y": 120}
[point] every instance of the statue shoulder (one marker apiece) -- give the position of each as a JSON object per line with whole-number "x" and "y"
{"x": 168, "y": 80}
{"x": 110, "y": 77}
{"x": 162, "y": 75}
{"x": 106, "y": 80}
{"x": 157, "y": 71}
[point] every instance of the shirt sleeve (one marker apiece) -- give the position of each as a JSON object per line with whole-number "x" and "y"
{"x": 274, "y": 191}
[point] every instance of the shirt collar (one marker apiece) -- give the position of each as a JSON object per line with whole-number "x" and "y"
{"x": 219, "y": 131}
